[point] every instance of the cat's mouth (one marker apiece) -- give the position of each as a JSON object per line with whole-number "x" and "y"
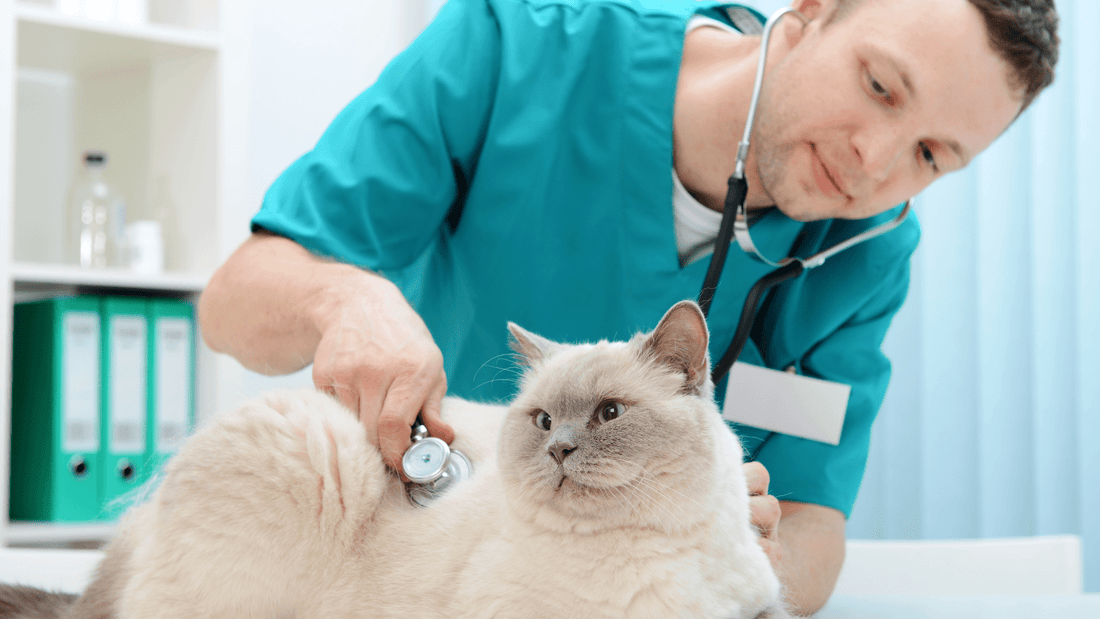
{"x": 571, "y": 483}
{"x": 567, "y": 483}
{"x": 565, "y": 478}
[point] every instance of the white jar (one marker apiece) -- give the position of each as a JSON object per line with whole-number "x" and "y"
{"x": 145, "y": 244}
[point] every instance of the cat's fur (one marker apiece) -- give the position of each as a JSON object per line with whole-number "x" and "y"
{"x": 283, "y": 509}
{"x": 19, "y": 602}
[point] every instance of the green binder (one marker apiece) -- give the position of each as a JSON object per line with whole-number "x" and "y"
{"x": 124, "y": 401}
{"x": 171, "y": 378}
{"x": 55, "y": 435}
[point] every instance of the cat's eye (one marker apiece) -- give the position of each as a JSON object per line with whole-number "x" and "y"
{"x": 610, "y": 409}
{"x": 542, "y": 420}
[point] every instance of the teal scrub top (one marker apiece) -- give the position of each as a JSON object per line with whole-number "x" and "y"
{"x": 514, "y": 163}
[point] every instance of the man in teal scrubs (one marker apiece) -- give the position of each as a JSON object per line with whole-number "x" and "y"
{"x": 516, "y": 162}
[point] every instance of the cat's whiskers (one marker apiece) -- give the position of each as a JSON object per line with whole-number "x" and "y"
{"x": 655, "y": 502}
{"x": 664, "y": 497}
{"x": 625, "y": 500}
{"x": 650, "y": 519}
{"x": 639, "y": 497}
{"x": 513, "y": 367}
{"x": 666, "y": 492}
{"x": 646, "y": 477}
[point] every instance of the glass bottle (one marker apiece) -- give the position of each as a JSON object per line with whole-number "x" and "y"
{"x": 97, "y": 216}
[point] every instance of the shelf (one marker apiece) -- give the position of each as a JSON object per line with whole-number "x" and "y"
{"x": 48, "y": 39}
{"x": 30, "y": 277}
{"x": 28, "y": 533}
{"x": 151, "y": 32}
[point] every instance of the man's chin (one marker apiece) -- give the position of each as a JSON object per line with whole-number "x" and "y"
{"x": 800, "y": 211}
{"x": 805, "y": 210}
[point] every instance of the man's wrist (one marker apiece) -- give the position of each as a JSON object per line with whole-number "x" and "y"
{"x": 340, "y": 286}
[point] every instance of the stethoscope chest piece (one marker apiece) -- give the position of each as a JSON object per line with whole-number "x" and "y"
{"x": 458, "y": 469}
{"x": 432, "y": 467}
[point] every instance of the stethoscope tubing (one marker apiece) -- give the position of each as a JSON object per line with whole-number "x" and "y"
{"x": 790, "y": 270}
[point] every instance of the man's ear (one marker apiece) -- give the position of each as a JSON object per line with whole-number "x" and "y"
{"x": 813, "y": 9}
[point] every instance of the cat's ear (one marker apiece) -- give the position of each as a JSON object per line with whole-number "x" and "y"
{"x": 531, "y": 348}
{"x": 680, "y": 342}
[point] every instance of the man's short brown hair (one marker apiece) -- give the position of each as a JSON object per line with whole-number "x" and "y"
{"x": 1025, "y": 34}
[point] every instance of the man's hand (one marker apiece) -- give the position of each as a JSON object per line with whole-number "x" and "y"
{"x": 807, "y": 552}
{"x": 377, "y": 356}
{"x": 277, "y": 308}
{"x": 764, "y": 512}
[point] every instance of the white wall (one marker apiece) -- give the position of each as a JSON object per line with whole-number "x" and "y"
{"x": 294, "y": 65}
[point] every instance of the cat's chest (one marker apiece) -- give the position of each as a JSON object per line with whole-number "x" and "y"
{"x": 590, "y": 576}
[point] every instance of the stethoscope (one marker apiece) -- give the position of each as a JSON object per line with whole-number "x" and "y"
{"x": 432, "y": 467}
{"x": 735, "y": 224}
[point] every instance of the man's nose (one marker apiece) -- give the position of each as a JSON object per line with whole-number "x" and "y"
{"x": 878, "y": 148}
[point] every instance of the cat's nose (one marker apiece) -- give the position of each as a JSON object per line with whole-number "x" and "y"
{"x": 560, "y": 449}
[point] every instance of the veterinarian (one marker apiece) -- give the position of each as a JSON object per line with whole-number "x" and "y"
{"x": 563, "y": 163}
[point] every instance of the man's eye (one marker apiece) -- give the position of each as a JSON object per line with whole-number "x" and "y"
{"x": 877, "y": 89}
{"x": 926, "y": 153}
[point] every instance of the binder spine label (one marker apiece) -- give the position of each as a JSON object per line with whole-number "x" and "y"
{"x": 173, "y": 396}
{"x": 128, "y": 384}
{"x": 80, "y": 393}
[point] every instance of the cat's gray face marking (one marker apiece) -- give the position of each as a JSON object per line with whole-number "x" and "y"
{"x": 601, "y": 428}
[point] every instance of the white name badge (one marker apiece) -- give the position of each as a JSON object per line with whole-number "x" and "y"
{"x": 787, "y": 403}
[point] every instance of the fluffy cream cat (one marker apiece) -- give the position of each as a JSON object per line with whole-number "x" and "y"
{"x": 610, "y": 487}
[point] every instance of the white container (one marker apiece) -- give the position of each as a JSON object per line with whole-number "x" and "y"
{"x": 146, "y": 246}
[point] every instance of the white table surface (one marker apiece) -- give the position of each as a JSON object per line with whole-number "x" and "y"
{"x": 1085, "y": 606}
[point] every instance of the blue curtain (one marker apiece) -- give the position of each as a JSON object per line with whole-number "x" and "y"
{"x": 991, "y": 426}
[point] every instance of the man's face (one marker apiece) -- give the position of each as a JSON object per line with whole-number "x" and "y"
{"x": 866, "y": 112}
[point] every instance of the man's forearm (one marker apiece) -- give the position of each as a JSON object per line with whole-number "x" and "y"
{"x": 812, "y": 537}
{"x": 263, "y": 306}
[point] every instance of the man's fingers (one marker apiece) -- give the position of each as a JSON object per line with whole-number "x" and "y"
{"x": 757, "y": 478}
{"x": 774, "y": 550}
{"x": 347, "y": 396}
{"x": 765, "y": 513}
{"x": 430, "y": 414}
{"x": 404, "y": 401}
{"x": 371, "y": 400}
{"x": 394, "y": 435}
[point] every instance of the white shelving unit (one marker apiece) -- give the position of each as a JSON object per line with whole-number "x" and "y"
{"x": 153, "y": 96}
{"x": 198, "y": 110}
{"x": 30, "y": 277}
